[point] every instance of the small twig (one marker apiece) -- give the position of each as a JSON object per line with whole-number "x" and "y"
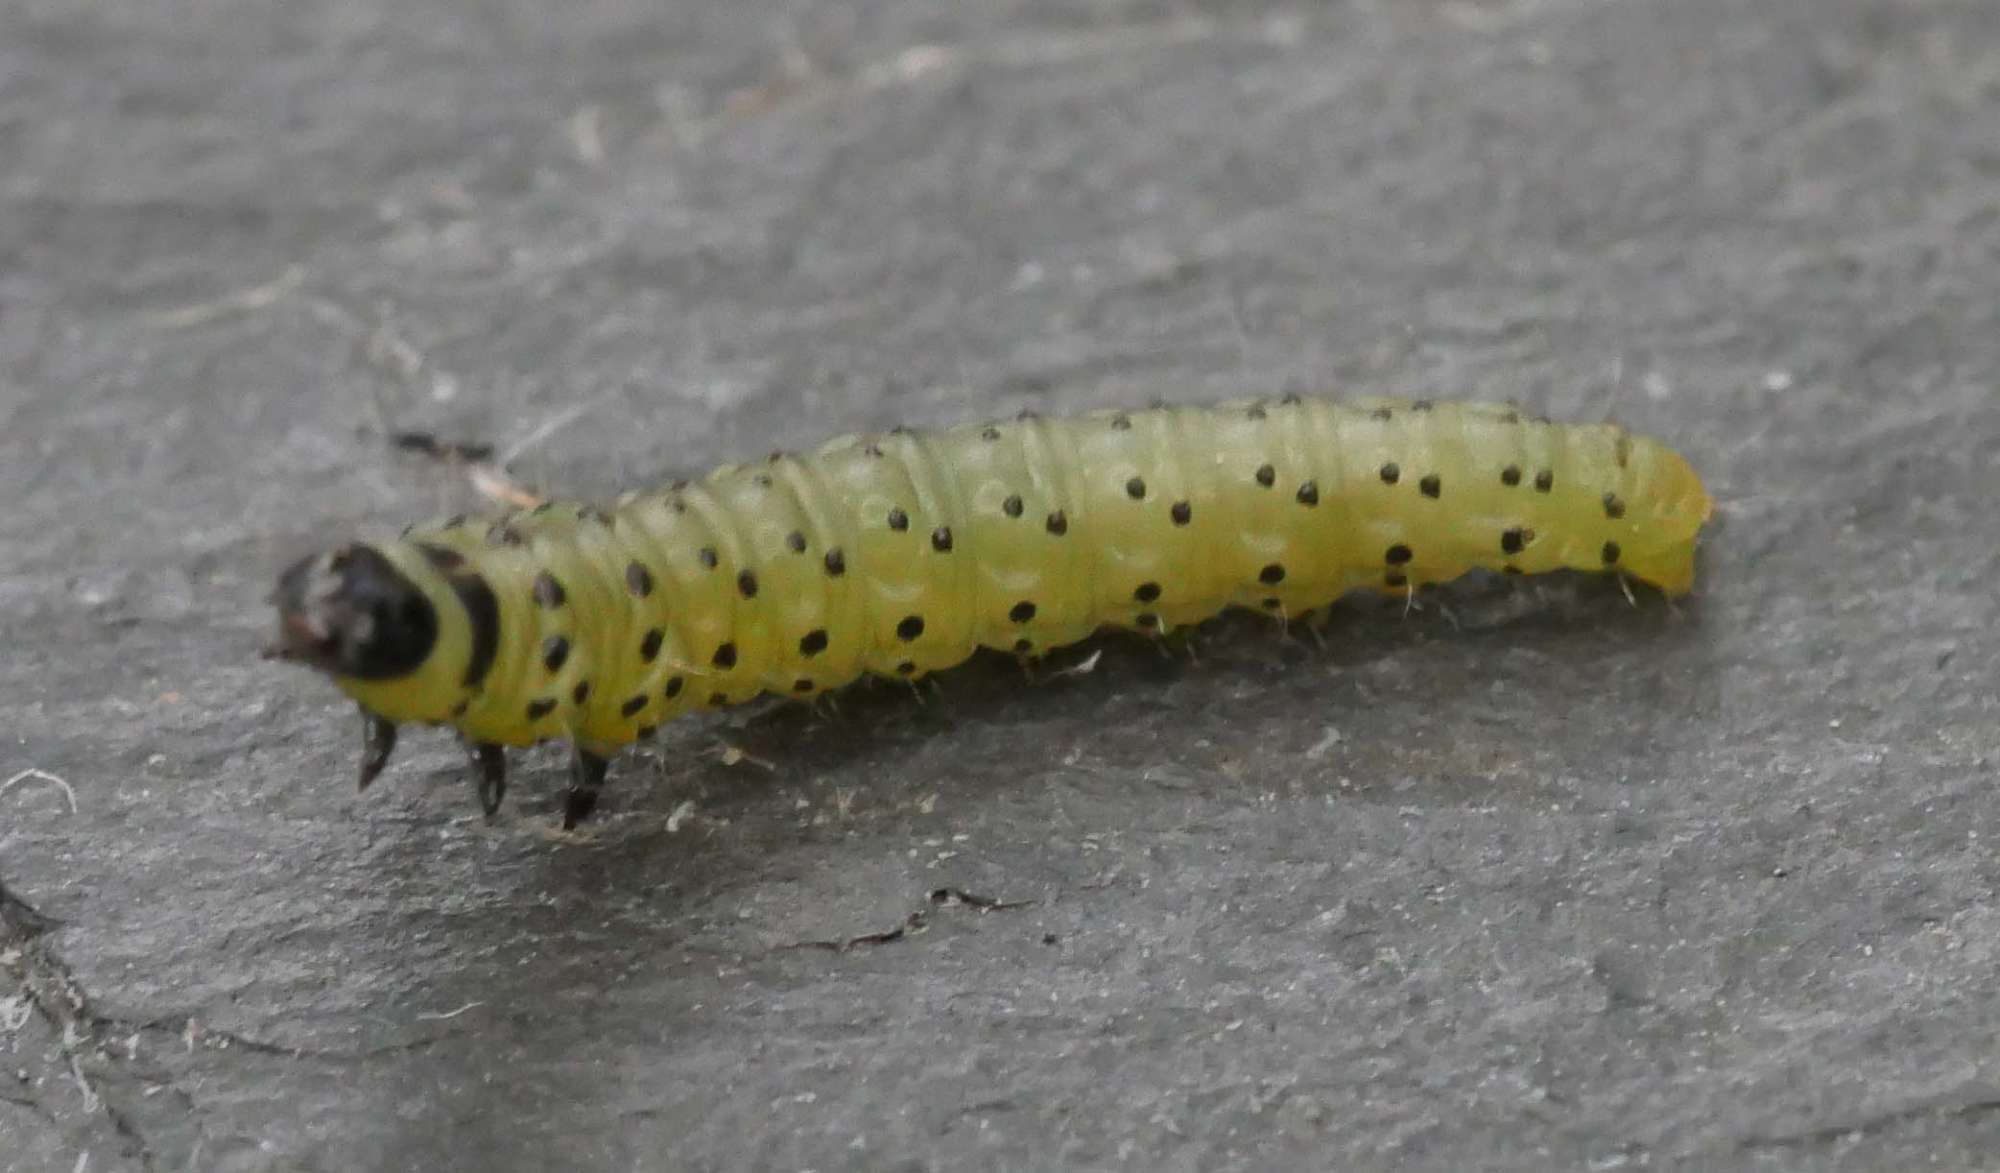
{"x": 32, "y": 774}
{"x": 487, "y": 478}
{"x": 493, "y": 484}
{"x": 554, "y": 424}
{"x": 427, "y": 1016}
{"x": 243, "y": 301}
{"x": 451, "y": 451}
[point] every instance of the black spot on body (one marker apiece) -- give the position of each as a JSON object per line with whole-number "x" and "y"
{"x": 813, "y": 642}
{"x": 762, "y": 480}
{"x": 898, "y": 520}
{"x": 674, "y": 686}
{"x": 802, "y": 684}
{"x": 1309, "y": 493}
{"x": 1058, "y": 523}
{"x": 1146, "y": 592}
{"x": 1121, "y": 422}
{"x": 537, "y": 709}
{"x": 1182, "y": 512}
{"x": 1023, "y": 646}
{"x": 555, "y": 653}
{"x": 725, "y": 656}
{"x": 1614, "y": 506}
{"x": 502, "y": 534}
{"x": 796, "y": 542}
{"x": 941, "y": 539}
{"x": 1271, "y": 575}
{"x": 649, "y": 647}
{"x": 1391, "y": 473}
{"x": 1396, "y": 578}
{"x": 989, "y": 434}
{"x": 717, "y": 700}
{"x": 910, "y": 627}
{"x": 581, "y": 692}
{"x": 1397, "y": 554}
{"x": 1266, "y": 475}
{"x": 1511, "y": 475}
{"x": 638, "y": 580}
{"x": 836, "y": 563}
{"x": 1513, "y": 541}
{"x": 1135, "y": 489}
{"x": 441, "y": 558}
{"x": 1022, "y": 611}
{"x": 1147, "y": 619}
{"x": 1611, "y": 552}
{"x": 1544, "y": 481}
{"x": 907, "y": 667}
{"x": 1255, "y": 411}
{"x": 746, "y": 584}
{"x": 1011, "y": 506}
{"x": 708, "y": 557}
{"x": 548, "y": 592}
{"x": 1432, "y": 485}
{"x": 873, "y": 450}
{"x": 632, "y": 706}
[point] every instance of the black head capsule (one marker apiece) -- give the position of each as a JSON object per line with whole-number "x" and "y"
{"x": 351, "y": 612}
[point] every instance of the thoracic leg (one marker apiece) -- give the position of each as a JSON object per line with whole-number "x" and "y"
{"x": 586, "y": 775}
{"x": 378, "y": 741}
{"x": 489, "y": 774}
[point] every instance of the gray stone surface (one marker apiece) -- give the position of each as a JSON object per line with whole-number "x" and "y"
{"x": 1528, "y": 878}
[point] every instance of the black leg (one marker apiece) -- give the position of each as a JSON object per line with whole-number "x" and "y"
{"x": 586, "y": 774}
{"x": 489, "y": 774}
{"x": 378, "y": 741}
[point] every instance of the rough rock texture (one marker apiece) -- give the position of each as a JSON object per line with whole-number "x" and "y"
{"x": 1527, "y": 878}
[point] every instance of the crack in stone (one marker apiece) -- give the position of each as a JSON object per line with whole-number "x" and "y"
{"x": 56, "y": 996}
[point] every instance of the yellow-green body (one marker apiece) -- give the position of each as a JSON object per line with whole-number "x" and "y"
{"x": 1145, "y": 519}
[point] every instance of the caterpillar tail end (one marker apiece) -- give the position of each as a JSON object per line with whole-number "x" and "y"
{"x": 1666, "y": 558}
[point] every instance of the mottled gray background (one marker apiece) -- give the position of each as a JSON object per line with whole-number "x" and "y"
{"x": 1528, "y": 878}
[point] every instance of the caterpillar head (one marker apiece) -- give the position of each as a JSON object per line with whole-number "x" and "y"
{"x": 350, "y": 612}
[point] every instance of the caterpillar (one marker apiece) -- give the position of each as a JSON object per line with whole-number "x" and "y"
{"x": 900, "y": 554}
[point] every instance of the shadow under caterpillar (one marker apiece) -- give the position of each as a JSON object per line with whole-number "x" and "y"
{"x": 900, "y": 554}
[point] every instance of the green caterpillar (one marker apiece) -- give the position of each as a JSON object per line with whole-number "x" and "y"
{"x": 900, "y": 554}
